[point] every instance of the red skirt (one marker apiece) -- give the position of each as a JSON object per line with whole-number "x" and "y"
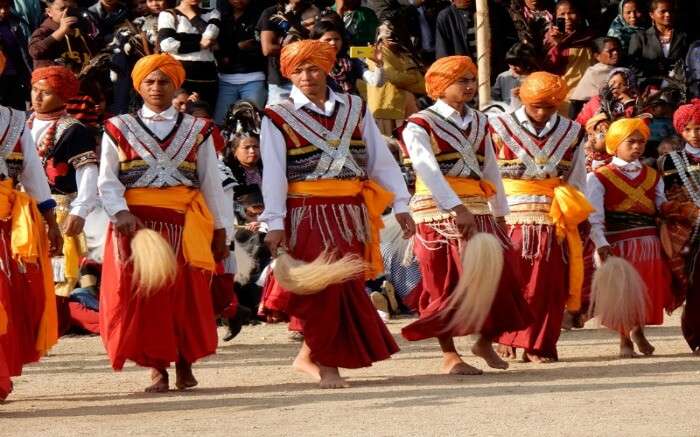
{"x": 547, "y": 290}
{"x": 642, "y": 248}
{"x": 340, "y": 324}
{"x": 441, "y": 267}
{"x": 22, "y": 295}
{"x": 176, "y": 322}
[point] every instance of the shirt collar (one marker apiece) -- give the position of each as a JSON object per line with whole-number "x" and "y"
{"x": 147, "y": 114}
{"x": 300, "y": 101}
{"x": 448, "y": 112}
{"x": 692, "y": 150}
{"x": 524, "y": 121}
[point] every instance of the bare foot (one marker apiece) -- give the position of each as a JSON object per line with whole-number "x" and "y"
{"x": 330, "y": 378}
{"x": 484, "y": 349}
{"x": 641, "y": 341}
{"x": 529, "y": 357}
{"x": 303, "y": 363}
{"x": 159, "y": 381}
{"x": 506, "y": 352}
{"x": 452, "y": 364}
{"x": 627, "y": 348}
{"x": 184, "y": 378}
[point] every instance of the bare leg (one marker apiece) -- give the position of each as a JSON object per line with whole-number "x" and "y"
{"x": 484, "y": 348}
{"x": 184, "y": 378}
{"x": 507, "y": 352}
{"x": 626, "y": 347}
{"x": 159, "y": 381}
{"x": 452, "y": 363}
{"x": 641, "y": 341}
{"x": 303, "y": 363}
{"x": 330, "y": 378}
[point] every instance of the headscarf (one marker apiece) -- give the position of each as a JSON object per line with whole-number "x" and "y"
{"x": 446, "y": 71}
{"x": 630, "y": 78}
{"x": 316, "y": 52}
{"x": 543, "y": 88}
{"x": 686, "y": 114}
{"x": 170, "y": 66}
{"x": 621, "y": 30}
{"x": 622, "y": 129}
{"x": 61, "y": 80}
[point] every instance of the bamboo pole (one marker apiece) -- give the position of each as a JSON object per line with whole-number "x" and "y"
{"x": 483, "y": 50}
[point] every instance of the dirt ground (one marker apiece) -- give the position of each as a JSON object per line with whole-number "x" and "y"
{"x": 248, "y": 388}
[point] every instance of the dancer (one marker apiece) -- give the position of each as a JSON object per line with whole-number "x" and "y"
{"x": 541, "y": 159}
{"x": 326, "y": 171}
{"x": 27, "y": 303}
{"x": 158, "y": 170}
{"x": 458, "y": 180}
{"x": 68, "y": 153}
{"x": 681, "y": 174}
{"x": 626, "y": 196}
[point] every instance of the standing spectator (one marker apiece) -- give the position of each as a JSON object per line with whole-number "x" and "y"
{"x": 189, "y": 33}
{"x": 360, "y": 22}
{"x": 14, "y": 80}
{"x": 240, "y": 60}
{"x": 608, "y": 54}
{"x": 107, "y": 14}
{"x": 63, "y": 38}
{"x": 655, "y": 51}
{"x": 627, "y": 23}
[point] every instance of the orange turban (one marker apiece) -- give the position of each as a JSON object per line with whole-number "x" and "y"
{"x": 318, "y": 53}
{"x": 622, "y": 129}
{"x": 61, "y": 80}
{"x": 445, "y": 71}
{"x": 542, "y": 88}
{"x": 170, "y": 66}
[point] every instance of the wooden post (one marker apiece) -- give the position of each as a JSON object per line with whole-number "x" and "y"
{"x": 483, "y": 50}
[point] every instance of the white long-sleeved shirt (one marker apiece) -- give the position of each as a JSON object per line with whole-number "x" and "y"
{"x": 595, "y": 192}
{"x": 381, "y": 165}
{"x": 161, "y": 124}
{"x": 420, "y": 149}
{"x": 33, "y": 178}
{"x": 85, "y": 176}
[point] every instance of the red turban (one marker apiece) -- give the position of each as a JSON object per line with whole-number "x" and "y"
{"x": 446, "y": 71}
{"x": 542, "y": 88}
{"x": 622, "y": 129}
{"x": 687, "y": 114}
{"x": 315, "y": 52}
{"x": 61, "y": 80}
{"x": 170, "y": 66}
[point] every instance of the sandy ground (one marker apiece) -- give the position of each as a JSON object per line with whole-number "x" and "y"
{"x": 249, "y": 389}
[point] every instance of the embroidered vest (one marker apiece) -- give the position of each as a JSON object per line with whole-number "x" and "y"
{"x": 460, "y": 153}
{"x": 320, "y": 147}
{"x": 521, "y": 155}
{"x": 624, "y": 195}
{"x": 147, "y": 161}
{"x": 12, "y": 125}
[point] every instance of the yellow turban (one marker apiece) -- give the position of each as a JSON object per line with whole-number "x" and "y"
{"x": 446, "y": 71}
{"x": 315, "y": 52}
{"x": 2, "y": 62}
{"x": 542, "y": 88}
{"x": 170, "y": 66}
{"x": 622, "y": 129}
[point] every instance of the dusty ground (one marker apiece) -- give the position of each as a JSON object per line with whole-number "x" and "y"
{"x": 249, "y": 389}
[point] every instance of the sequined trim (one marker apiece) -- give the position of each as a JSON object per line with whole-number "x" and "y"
{"x": 11, "y": 126}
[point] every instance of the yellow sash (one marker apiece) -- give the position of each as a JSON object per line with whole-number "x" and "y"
{"x": 569, "y": 208}
{"x": 29, "y": 244}
{"x": 462, "y": 187}
{"x": 376, "y": 198}
{"x": 198, "y": 231}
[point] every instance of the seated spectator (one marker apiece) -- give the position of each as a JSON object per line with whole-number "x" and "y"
{"x": 521, "y": 62}
{"x": 620, "y": 95}
{"x": 189, "y": 33}
{"x": 654, "y": 52}
{"x": 346, "y": 71}
{"x": 63, "y": 38}
{"x": 240, "y": 60}
{"x": 608, "y": 54}
{"x": 627, "y": 23}
{"x": 570, "y": 52}
{"x": 107, "y": 15}
{"x": 360, "y": 22}
{"x": 14, "y": 80}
